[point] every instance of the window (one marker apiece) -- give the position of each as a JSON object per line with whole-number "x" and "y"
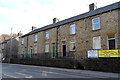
{"x": 111, "y": 43}
{"x": 35, "y": 49}
{"x": 35, "y": 37}
{"x": 47, "y": 35}
{"x": 72, "y": 29}
{"x": 22, "y": 50}
{"x": 97, "y": 42}
{"x": 3, "y": 46}
{"x": 96, "y": 23}
{"x": 22, "y": 40}
{"x": 72, "y": 46}
{"x": 47, "y": 48}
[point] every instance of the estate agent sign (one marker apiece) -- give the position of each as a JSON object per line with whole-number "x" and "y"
{"x": 109, "y": 53}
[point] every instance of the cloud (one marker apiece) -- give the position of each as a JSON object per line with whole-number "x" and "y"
{"x": 23, "y": 14}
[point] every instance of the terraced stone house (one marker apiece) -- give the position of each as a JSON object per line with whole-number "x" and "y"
{"x": 97, "y": 29}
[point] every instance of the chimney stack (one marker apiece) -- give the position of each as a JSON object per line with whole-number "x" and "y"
{"x": 33, "y": 28}
{"x": 92, "y": 7}
{"x": 55, "y": 20}
{"x": 19, "y": 34}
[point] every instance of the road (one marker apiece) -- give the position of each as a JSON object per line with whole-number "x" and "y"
{"x": 30, "y": 72}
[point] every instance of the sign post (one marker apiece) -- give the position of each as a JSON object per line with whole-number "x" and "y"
{"x": 0, "y": 66}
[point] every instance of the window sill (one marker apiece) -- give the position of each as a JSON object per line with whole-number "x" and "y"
{"x": 46, "y": 39}
{"x": 35, "y": 41}
{"x": 73, "y": 51}
{"x": 96, "y": 29}
{"x": 72, "y": 34}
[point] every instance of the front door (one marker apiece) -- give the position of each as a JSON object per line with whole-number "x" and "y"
{"x": 53, "y": 51}
{"x": 111, "y": 43}
{"x": 31, "y": 52}
{"x": 64, "y": 50}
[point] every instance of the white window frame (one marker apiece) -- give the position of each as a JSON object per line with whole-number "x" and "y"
{"x": 93, "y": 27}
{"x": 47, "y": 34}
{"x": 36, "y": 37}
{"x": 46, "y": 48}
{"x": 72, "y": 42}
{"x": 3, "y": 46}
{"x": 23, "y": 40}
{"x": 35, "y": 49}
{"x": 72, "y": 29}
{"x": 94, "y": 46}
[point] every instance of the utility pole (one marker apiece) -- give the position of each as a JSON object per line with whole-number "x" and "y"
{"x": 10, "y": 54}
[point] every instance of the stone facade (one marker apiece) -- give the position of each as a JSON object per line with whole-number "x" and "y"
{"x": 84, "y": 34}
{"x": 9, "y": 48}
{"x": 60, "y": 37}
{"x": 29, "y": 43}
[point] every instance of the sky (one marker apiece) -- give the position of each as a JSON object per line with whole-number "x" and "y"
{"x": 21, "y": 15}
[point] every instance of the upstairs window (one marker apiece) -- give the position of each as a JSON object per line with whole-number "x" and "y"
{"x": 72, "y": 29}
{"x": 97, "y": 42}
{"x": 47, "y": 35}
{"x": 96, "y": 23}
{"x": 35, "y": 37}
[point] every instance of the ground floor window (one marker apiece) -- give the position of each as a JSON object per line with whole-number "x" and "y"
{"x": 47, "y": 48}
{"x": 35, "y": 49}
{"x": 72, "y": 46}
{"x": 97, "y": 42}
{"x": 25, "y": 52}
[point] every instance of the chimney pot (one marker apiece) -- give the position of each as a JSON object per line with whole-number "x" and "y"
{"x": 55, "y": 20}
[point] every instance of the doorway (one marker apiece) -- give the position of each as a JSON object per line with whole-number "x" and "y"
{"x": 64, "y": 50}
{"x": 31, "y": 52}
{"x": 111, "y": 43}
{"x": 53, "y": 51}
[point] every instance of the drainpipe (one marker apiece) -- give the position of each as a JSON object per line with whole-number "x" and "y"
{"x": 10, "y": 56}
{"x": 27, "y": 46}
{"x": 57, "y": 43}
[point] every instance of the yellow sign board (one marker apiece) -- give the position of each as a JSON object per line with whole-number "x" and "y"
{"x": 109, "y": 53}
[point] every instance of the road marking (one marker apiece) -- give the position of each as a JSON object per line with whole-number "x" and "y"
{"x": 9, "y": 76}
{"x": 20, "y": 73}
{"x": 26, "y": 76}
{"x": 44, "y": 73}
{"x": 51, "y": 72}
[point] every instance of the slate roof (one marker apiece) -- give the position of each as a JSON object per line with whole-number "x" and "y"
{"x": 111, "y": 7}
{"x": 5, "y": 41}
